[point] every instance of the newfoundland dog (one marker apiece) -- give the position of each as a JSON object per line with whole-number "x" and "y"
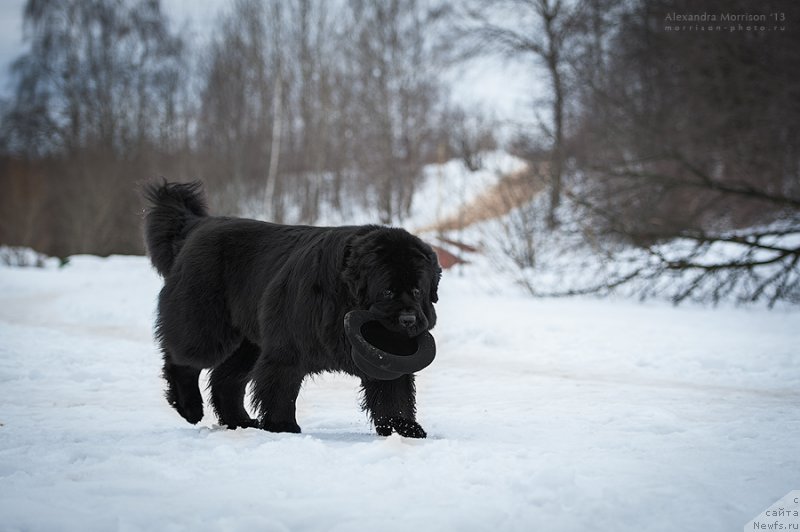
{"x": 263, "y": 302}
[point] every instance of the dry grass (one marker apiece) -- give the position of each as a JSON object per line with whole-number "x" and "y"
{"x": 511, "y": 191}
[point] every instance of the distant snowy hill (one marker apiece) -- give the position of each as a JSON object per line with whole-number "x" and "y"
{"x": 450, "y": 186}
{"x": 491, "y": 217}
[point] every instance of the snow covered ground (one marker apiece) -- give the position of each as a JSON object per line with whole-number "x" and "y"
{"x": 562, "y": 415}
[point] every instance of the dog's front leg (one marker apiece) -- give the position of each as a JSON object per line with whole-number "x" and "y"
{"x": 275, "y": 389}
{"x": 392, "y": 406}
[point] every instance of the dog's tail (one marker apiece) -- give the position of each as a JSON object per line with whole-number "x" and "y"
{"x": 171, "y": 209}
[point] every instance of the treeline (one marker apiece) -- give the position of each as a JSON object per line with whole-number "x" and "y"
{"x": 651, "y": 129}
{"x": 292, "y": 105}
{"x": 688, "y": 145}
{"x": 687, "y": 130}
{"x": 675, "y": 142}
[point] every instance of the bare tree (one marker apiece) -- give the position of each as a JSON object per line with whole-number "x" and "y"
{"x": 540, "y": 29}
{"x": 688, "y": 149}
{"x": 471, "y": 135}
{"x": 396, "y": 94}
{"x": 293, "y": 107}
{"x": 684, "y": 160}
{"x": 236, "y": 105}
{"x": 95, "y": 103}
{"x": 96, "y": 75}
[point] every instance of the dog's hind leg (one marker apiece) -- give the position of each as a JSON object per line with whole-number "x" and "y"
{"x": 183, "y": 390}
{"x": 276, "y": 384}
{"x": 228, "y": 382}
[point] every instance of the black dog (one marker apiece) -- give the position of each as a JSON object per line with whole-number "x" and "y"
{"x": 266, "y": 302}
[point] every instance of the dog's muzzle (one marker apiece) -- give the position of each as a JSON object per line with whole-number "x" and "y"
{"x": 407, "y": 319}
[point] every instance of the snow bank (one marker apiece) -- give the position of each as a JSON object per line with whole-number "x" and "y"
{"x": 443, "y": 189}
{"x": 562, "y": 415}
{"x": 448, "y": 187}
{"x": 571, "y": 259}
{"x": 22, "y": 257}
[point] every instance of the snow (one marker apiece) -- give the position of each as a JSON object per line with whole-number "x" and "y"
{"x": 557, "y": 414}
{"x": 571, "y": 259}
{"x": 447, "y": 187}
{"x": 443, "y": 189}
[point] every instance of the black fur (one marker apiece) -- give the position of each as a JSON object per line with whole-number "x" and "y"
{"x": 263, "y": 302}
{"x": 173, "y": 206}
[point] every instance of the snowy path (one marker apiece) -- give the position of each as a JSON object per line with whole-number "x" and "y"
{"x": 542, "y": 415}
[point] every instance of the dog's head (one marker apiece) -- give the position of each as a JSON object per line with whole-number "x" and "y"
{"x": 395, "y": 275}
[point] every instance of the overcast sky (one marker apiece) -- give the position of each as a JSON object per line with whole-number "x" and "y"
{"x": 504, "y": 90}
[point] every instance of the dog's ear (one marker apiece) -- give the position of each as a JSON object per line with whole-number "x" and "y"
{"x": 357, "y": 262}
{"x": 351, "y": 274}
{"x": 436, "y": 275}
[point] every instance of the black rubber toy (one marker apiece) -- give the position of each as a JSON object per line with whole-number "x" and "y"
{"x": 383, "y": 354}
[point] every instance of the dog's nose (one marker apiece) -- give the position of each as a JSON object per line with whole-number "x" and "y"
{"x": 407, "y": 319}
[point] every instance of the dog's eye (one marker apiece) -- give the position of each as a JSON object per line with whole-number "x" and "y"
{"x": 416, "y": 293}
{"x": 387, "y": 294}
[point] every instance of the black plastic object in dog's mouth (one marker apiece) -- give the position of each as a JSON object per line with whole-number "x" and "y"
{"x": 384, "y": 354}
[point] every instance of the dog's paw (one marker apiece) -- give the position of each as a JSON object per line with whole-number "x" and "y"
{"x": 383, "y": 427}
{"x": 409, "y": 429}
{"x": 281, "y": 426}
{"x": 241, "y": 423}
{"x": 404, "y": 427}
{"x": 191, "y": 411}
